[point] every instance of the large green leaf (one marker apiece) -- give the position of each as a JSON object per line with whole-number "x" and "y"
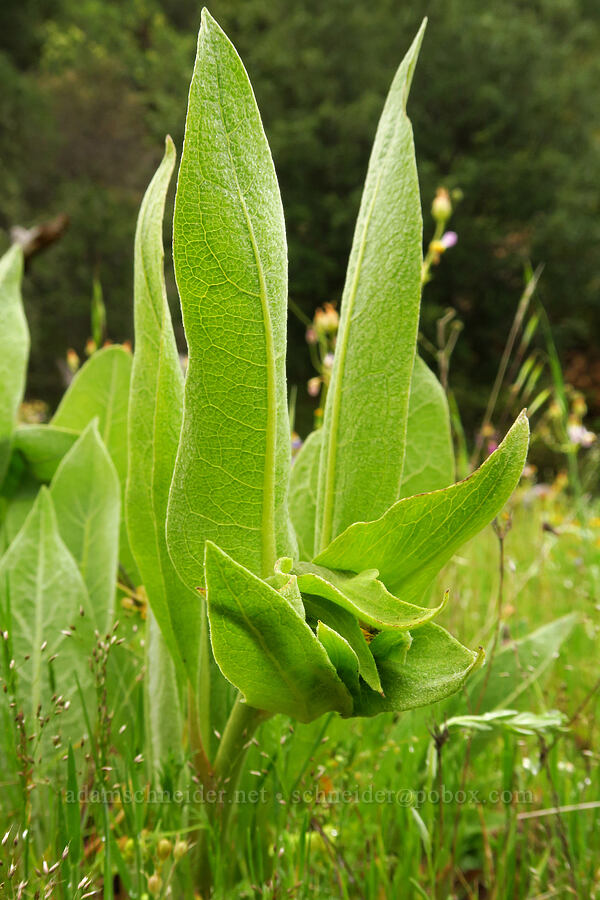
{"x": 411, "y": 542}
{"x": 434, "y": 667}
{"x": 304, "y": 480}
{"x": 101, "y": 389}
{"x": 429, "y": 459}
{"x": 41, "y": 596}
{"x": 231, "y": 477}
{"x": 364, "y": 595}
{"x": 364, "y": 427}
{"x": 265, "y": 648}
{"x": 43, "y": 447}
{"x": 155, "y": 415}
{"x": 14, "y": 349}
{"x": 86, "y": 496}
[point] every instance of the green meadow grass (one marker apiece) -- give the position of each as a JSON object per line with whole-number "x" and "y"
{"x": 340, "y": 809}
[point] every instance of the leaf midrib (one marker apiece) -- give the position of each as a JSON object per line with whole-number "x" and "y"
{"x": 268, "y": 548}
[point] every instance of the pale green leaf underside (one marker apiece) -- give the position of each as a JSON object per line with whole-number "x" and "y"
{"x": 265, "y": 648}
{"x": 435, "y": 666}
{"x": 155, "y": 416}
{"x": 41, "y": 594}
{"x": 101, "y": 389}
{"x": 411, "y": 542}
{"x": 304, "y": 480}
{"x": 364, "y": 596}
{"x": 43, "y": 447}
{"x": 364, "y": 429}
{"x": 429, "y": 459}
{"x": 231, "y": 477}
{"x": 14, "y": 349}
{"x": 86, "y": 495}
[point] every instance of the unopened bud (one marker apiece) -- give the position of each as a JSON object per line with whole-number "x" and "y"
{"x": 180, "y": 849}
{"x": 164, "y": 848}
{"x": 441, "y": 208}
{"x": 155, "y": 884}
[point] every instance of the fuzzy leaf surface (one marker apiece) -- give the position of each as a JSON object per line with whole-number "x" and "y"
{"x": 155, "y": 416}
{"x": 304, "y": 482}
{"x": 435, "y": 666}
{"x": 365, "y": 421}
{"x": 231, "y": 476}
{"x": 429, "y": 459}
{"x": 411, "y": 542}
{"x": 265, "y": 648}
{"x": 364, "y": 595}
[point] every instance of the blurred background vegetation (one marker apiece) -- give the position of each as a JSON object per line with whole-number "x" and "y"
{"x": 504, "y": 106}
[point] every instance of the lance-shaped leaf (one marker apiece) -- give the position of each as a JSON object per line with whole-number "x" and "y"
{"x": 155, "y": 415}
{"x": 14, "y": 349}
{"x": 364, "y": 427}
{"x": 86, "y": 496}
{"x": 304, "y": 480}
{"x": 344, "y": 623}
{"x": 517, "y": 665}
{"x": 342, "y": 656}
{"x": 41, "y": 595}
{"x": 429, "y": 460}
{"x": 265, "y": 648}
{"x": 435, "y": 666}
{"x": 411, "y": 542}
{"x": 364, "y": 595}
{"x": 43, "y": 447}
{"x": 231, "y": 477}
{"x": 101, "y": 389}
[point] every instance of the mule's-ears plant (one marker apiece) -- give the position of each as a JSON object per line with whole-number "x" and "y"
{"x": 312, "y": 577}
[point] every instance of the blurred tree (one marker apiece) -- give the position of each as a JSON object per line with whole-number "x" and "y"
{"x": 503, "y": 105}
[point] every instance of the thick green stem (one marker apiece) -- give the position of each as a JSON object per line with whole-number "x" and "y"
{"x": 241, "y": 725}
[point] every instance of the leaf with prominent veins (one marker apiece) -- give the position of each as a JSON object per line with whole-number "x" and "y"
{"x": 229, "y": 249}
{"x": 304, "y": 481}
{"x": 155, "y": 415}
{"x": 364, "y": 428}
{"x": 411, "y": 542}
{"x": 265, "y": 648}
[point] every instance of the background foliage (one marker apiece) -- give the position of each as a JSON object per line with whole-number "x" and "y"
{"x": 504, "y": 106}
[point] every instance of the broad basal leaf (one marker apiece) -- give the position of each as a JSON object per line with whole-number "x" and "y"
{"x": 304, "y": 480}
{"x": 434, "y": 667}
{"x": 14, "y": 349}
{"x": 411, "y": 542}
{"x": 101, "y": 389}
{"x": 429, "y": 460}
{"x": 86, "y": 495}
{"x": 265, "y": 648}
{"x": 41, "y": 596}
{"x": 364, "y": 595}
{"x": 364, "y": 428}
{"x": 43, "y": 447}
{"x": 229, "y": 250}
{"x": 155, "y": 415}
